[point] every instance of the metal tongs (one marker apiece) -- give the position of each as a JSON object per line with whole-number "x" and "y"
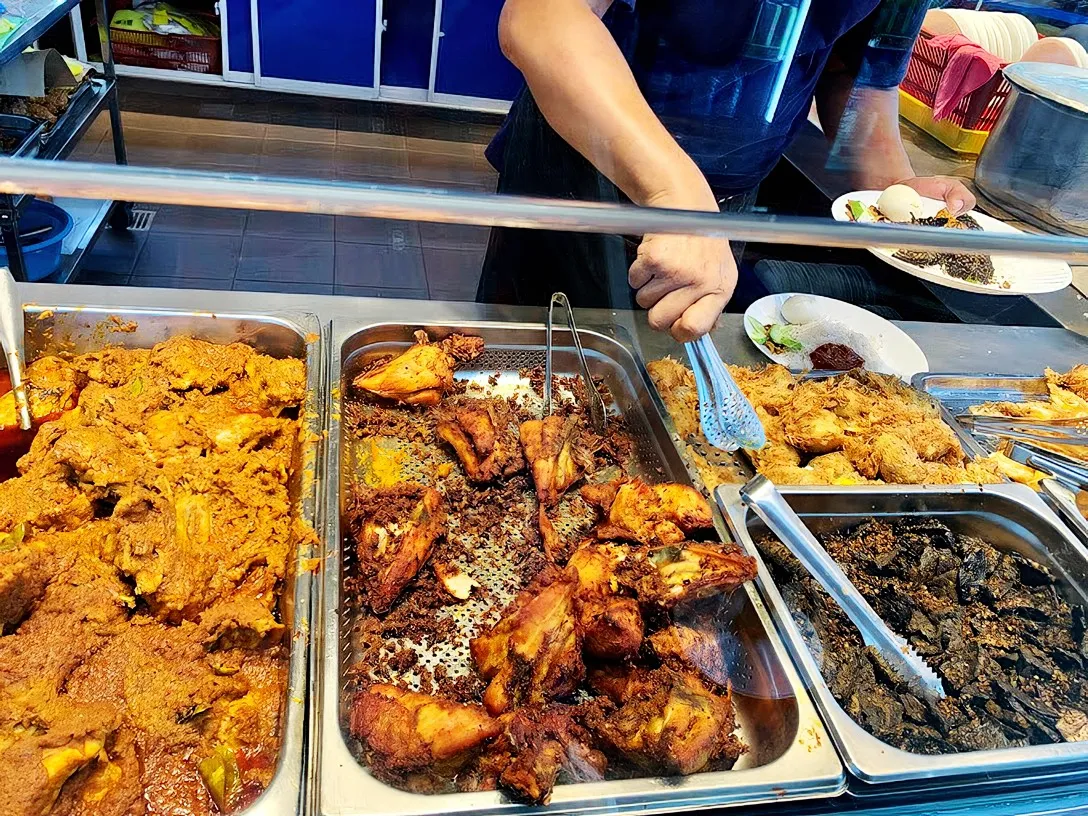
{"x": 1070, "y": 472}
{"x": 11, "y": 337}
{"x": 727, "y": 418}
{"x": 767, "y": 503}
{"x": 1048, "y": 431}
{"x": 593, "y": 397}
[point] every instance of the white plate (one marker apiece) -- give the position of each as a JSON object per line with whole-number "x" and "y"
{"x": 900, "y": 355}
{"x": 1025, "y": 275}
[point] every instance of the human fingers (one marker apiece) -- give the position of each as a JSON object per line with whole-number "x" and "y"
{"x": 958, "y": 198}
{"x": 699, "y": 318}
{"x": 671, "y": 307}
{"x": 645, "y": 265}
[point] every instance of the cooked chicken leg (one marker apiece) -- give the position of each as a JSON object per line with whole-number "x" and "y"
{"x": 534, "y": 653}
{"x": 482, "y": 433}
{"x": 552, "y": 450}
{"x": 666, "y": 576}
{"x": 649, "y": 514}
{"x": 423, "y": 373}
{"x": 611, "y": 624}
{"x": 667, "y": 722}
{"x": 404, "y": 731}
{"x": 394, "y": 531}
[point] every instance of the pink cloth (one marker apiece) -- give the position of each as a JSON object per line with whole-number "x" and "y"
{"x": 970, "y": 67}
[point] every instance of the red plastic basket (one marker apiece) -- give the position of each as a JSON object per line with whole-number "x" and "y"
{"x": 976, "y": 111}
{"x": 176, "y": 52}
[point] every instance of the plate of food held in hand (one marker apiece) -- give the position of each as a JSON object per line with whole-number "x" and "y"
{"x": 811, "y": 332}
{"x": 989, "y": 275}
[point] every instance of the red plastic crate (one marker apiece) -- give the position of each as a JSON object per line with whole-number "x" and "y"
{"x": 176, "y": 52}
{"x": 976, "y": 111}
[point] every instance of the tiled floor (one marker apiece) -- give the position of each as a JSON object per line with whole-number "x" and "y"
{"x": 194, "y": 247}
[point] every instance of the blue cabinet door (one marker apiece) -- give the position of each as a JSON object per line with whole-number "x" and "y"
{"x": 331, "y": 41}
{"x": 239, "y": 36}
{"x": 469, "y": 60}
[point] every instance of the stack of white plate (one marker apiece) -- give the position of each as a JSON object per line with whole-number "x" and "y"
{"x": 1008, "y": 36}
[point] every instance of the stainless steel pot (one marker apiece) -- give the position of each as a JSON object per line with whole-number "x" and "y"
{"x": 1035, "y": 162}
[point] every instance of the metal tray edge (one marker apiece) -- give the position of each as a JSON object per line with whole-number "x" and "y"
{"x": 330, "y": 749}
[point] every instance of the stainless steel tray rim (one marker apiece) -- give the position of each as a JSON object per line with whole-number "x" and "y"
{"x": 857, "y": 747}
{"x": 338, "y": 770}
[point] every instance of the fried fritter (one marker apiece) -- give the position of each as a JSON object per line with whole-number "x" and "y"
{"x": 534, "y": 653}
{"x": 635, "y": 511}
{"x": 554, "y": 450}
{"x": 667, "y": 722}
{"x": 669, "y": 575}
{"x": 404, "y": 731}
{"x": 394, "y": 530}
{"x": 611, "y": 624}
{"x": 483, "y": 433}
{"x": 422, "y": 374}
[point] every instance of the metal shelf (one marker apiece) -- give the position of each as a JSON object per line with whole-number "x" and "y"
{"x": 89, "y": 232}
{"x": 73, "y": 124}
{"x": 45, "y": 16}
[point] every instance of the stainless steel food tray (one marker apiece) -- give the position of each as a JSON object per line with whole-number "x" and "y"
{"x": 1009, "y": 516}
{"x": 960, "y": 392}
{"x": 790, "y": 756}
{"x": 79, "y": 329}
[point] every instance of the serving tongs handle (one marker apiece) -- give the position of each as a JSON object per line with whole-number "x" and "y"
{"x": 767, "y": 503}
{"x": 11, "y": 337}
{"x": 596, "y": 403}
{"x": 1053, "y": 433}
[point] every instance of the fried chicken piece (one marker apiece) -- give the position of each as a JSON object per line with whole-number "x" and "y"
{"x": 667, "y": 722}
{"x": 830, "y": 469}
{"x": 900, "y": 463}
{"x": 611, "y": 624}
{"x": 667, "y": 576}
{"x": 394, "y": 530}
{"x": 544, "y": 744}
{"x": 534, "y": 653}
{"x": 549, "y": 536}
{"x": 404, "y": 731}
{"x": 675, "y": 383}
{"x": 635, "y": 511}
{"x": 1075, "y": 380}
{"x": 554, "y": 451}
{"x": 483, "y": 434}
{"x": 422, "y": 374}
{"x": 690, "y": 647}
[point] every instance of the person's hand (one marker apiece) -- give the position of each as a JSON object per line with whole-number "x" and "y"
{"x": 949, "y": 189}
{"x": 684, "y": 281}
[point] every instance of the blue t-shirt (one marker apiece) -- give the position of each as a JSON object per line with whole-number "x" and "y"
{"x": 708, "y": 68}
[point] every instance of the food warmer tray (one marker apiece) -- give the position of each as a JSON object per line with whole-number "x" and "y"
{"x": 1065, "y": 500}
{"x": 75, "y": 330}
{"x": 789, "y": 755}
{"x": 1010, "y": 516}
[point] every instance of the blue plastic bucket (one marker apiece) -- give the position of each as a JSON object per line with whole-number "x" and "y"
{"x": 41, "y": 253}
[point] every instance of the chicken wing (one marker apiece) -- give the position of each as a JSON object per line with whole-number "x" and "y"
{"x": 423, "y": 373}
{"x": 667, "y": 722}
{"x": 554, "y": 451}
{"x": 544, "y": 744}
{"x": 534, "y": 653}
{"x": 666, "y": 576}
{"x": 404, "y": 731}
{"x": 611, "y": 623}
{"x": 635, "y": 511}
{"x": 394, "y": 531}
{"x": 483, "y": 434}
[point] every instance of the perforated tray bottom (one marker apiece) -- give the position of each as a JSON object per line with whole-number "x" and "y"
{"x": 490, "y": 556}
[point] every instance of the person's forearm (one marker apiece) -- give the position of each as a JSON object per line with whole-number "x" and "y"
{"x": 863, "y": 125}
{"x": 586, "y": 91}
